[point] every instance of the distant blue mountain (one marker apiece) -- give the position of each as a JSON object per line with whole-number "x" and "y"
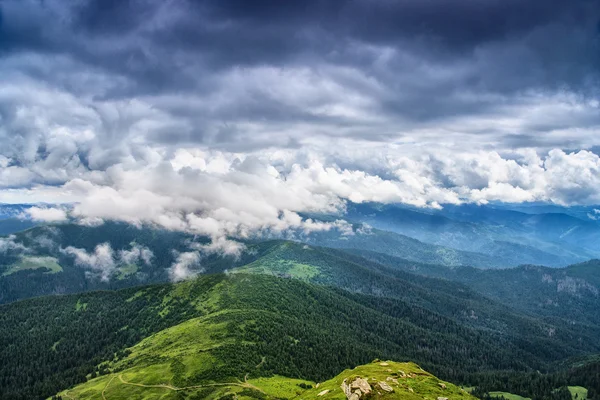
{"x": 503, "y": 231}
{"x": 12, "y": 210}
{"x": 11, "y": 218}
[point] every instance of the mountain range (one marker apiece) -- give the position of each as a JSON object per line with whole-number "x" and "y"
{"x": 97, "y": 311}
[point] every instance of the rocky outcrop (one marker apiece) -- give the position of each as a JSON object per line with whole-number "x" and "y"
{"x": 356, "y": 389}
{"x": 388, "y": 380}
{"x": 385, "y": 387}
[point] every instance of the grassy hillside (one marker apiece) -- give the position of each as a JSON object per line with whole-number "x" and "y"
{"x": 400, "y": 381}
{"x": 20, "y": 278}
{"x": 314, "y": 264}
{"x": 507, "y": 396}
{"x": 557, "y": 338}
{"x": 388, "y": 380}
{"x": 225, "y": 328}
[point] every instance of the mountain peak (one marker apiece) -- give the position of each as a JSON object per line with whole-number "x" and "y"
{"x": 385, "y": 380}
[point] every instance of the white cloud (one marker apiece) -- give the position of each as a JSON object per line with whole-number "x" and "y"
{"x": 103, "y": 155}
{"x": 100, "y": 261}
{"x": 47, "y": 214}
{"x": 104, "y": 261}
{"x": 221, "y": 246}
{"x": 9, "y": 243}
{"x": 142, "y": 159}
{"x": 248, "y": 146}
{"x": 135, "y": 255}
{"x": 185, "y": 266}
{"x": 246, "y": 195}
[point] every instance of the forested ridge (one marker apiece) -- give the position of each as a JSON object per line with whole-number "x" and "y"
{"x": 340, "y": 310}
{"x": 51, "y": 240}
{"x": 54, "y": 342}
{"x": 570, "y": 293}
{"x": 287, "y": 327}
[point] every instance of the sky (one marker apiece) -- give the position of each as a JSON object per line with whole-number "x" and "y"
{"x": 231, "y": 117}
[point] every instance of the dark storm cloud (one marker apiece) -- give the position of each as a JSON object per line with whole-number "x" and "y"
{"x": 217, "y": 34}
{"x": 226, "y": 117}
{"x": 421, "y": 63}
{"x": 455, "y": 23}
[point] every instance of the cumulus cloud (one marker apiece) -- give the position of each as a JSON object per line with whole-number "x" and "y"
{"x": 135, "y": 255}
{"x": 186, "y": 265}
{"x": 221, "y": 246}
{"x": 189, "y": 264}
{"x": 229, "y": 195}
{"x": 100, "y": 261}
{"x": 104, "y": 261}
{"x": 46, "y": 214}
{"x": 9, "y": 244}
{"x": 253, "y": 195}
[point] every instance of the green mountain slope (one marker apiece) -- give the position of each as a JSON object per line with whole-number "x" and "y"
{"x": 386, "y": 380}
{"x": 320, "y": 265}
{"x": 454, "y": 300}
{"x": 12, "y": 225}
{"x": 379, "y": 380}
{"x": 571, "y": 293}
{"x": 222, "y": 328}
{"x": 52, "y": 240}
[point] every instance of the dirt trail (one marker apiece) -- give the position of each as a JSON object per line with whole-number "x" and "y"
{"x": 165, "y": 386}
{"x": 106, "y": 387}
{"x": 159, "y": 386}
{"x": 244, "y": 384}
{"x": 262, "y": 361}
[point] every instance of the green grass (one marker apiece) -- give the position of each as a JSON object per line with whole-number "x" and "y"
{"x": 183, "y": 360}
{"x": 126, "y": 270}
{"x": 281, "y": 267}
{"x": 151, "y": 363}
{"x": 280, "y": 386}
{"x": 287, "y": 259}
{"x": 508, "y": 396}
{"x": 54, "y": 345}
{"x": 578, "y": 392}
{"x": 80, "y": 306}
{"x": 187, "y": 342}
{"x": 246, "y": 326}
{"x": 407, "y": 380}
{"x": 115, "y": 388}
{"x": 31, "y": 263}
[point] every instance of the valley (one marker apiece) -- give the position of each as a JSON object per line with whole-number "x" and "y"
{"x": 282, "y": 316}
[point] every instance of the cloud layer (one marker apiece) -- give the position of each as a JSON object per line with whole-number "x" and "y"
{"x": 227, "y": 118}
